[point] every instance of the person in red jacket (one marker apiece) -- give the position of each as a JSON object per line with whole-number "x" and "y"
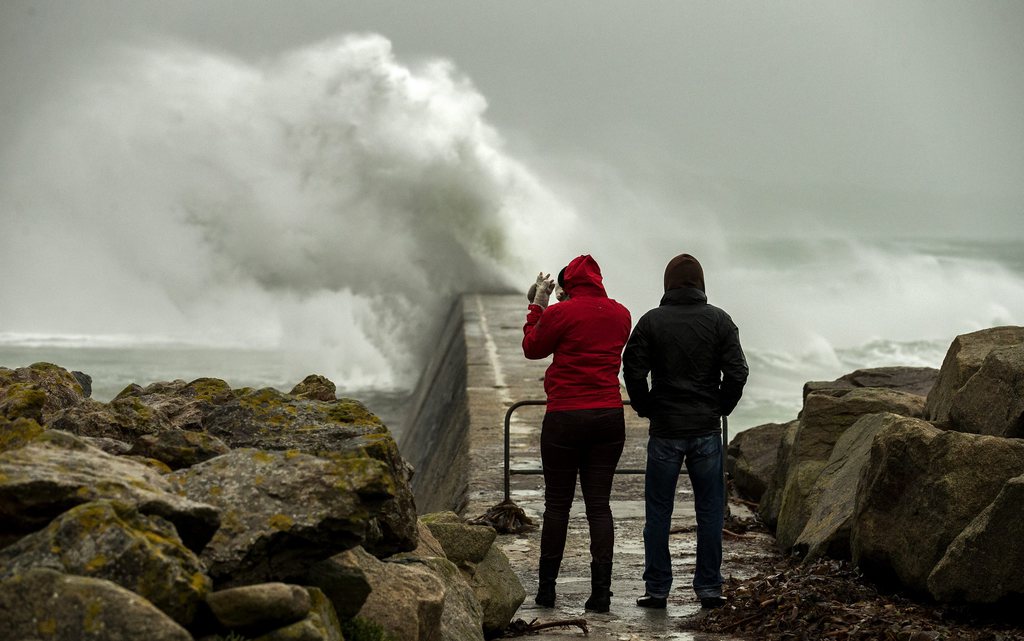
{"x": 584, "y": 428}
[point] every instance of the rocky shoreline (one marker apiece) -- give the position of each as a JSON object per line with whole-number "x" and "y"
{"x": 194, "y": 511}
{"x": 191, "y": 510}
{"x": 911, "y": 476}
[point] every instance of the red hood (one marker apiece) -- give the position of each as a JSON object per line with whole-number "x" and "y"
{"x": 583, "y": 276}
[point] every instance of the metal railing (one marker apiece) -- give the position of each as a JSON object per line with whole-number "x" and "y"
{"x": 509, "y": 471}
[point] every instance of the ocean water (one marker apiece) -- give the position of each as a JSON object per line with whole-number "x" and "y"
{"x": 174, "y": 212}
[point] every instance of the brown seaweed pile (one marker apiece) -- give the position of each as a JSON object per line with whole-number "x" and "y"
{"x": 830, "y": 600}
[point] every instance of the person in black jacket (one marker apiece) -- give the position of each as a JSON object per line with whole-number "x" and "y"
{"x": 692, "y": 352}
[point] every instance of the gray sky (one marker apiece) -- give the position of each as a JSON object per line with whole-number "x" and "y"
{"x": 865, "y": 118}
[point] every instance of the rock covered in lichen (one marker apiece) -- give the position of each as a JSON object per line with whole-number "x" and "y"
{"x": 281, "y": 511}
{"x": 315, "y": 388}
{"x": 58, "y": 471}
{"x": 38, "y": 391}
{"x": 18, "y": 433}
{"x": 179, "y": 448}
{"x": 113, "y": 541}
{"x": 45, "y": 605}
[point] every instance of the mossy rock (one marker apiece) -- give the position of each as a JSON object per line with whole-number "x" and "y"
{"x": 18, "y": 433}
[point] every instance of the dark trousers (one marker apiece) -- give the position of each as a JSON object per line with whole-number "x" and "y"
{"x": 587, "y": 442}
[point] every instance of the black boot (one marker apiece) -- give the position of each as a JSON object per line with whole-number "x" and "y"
{"x": 600, "y": 587}
{"x": 547, "y": 575}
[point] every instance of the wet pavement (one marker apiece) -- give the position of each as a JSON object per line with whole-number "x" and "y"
{"x": 498, "y": 376}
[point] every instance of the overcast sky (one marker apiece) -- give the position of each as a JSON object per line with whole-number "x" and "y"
{"x": 878, "y": 118}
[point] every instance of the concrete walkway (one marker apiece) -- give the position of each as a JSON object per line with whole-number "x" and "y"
{"x": 498, "y": 376}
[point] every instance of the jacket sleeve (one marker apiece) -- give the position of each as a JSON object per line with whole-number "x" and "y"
{"x": 636, "y": 365}
{"x": 541, "y": 332}
{"x": 733, "y": 365}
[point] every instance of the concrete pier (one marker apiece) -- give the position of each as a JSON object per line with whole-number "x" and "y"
{"x": 496, "y": 376}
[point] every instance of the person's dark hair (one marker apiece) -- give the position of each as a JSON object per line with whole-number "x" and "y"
{"x": 561, "y": 278}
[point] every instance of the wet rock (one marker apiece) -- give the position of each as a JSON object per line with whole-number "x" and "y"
{"x": 752, "y": 458}
{"x": 259, "y": 607}
{"x": 962, "y": 361}
{"x": 315, "y": 388}
{"x": 179, "y": 448}
{"x": 406, "y": 600}
{"x": 281, "y": 511}
{"x": 983, "y": 563}
{"x": 57, "y": 471}
{"x": 771, "y": 499}
{"x": 913, "y": 380}
{"x": 992, "y": 401}
{"x": 37, "y": 391}
{"x": 921, "y": 488}
{"x": 497, "y": 588}
{"x": 826, "y": 415}
{"x": 460, "y": 541}
{"x": 45, "y": 605}
{"x": 833, "y": 496}
{"x": 112, "y": 541}
{"x": 18, "y": 433}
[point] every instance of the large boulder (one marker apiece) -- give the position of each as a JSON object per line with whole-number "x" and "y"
{"x": 321, "y": 624}
{"x": 113, "y": 541}
{"x": 270, "y": 420}
{"x": 826, "y": 415}
{"x": 913, "y": 380}
{"x": 992, "y": 401}
{"x": 833, "y": 496}
{"x": 497, "y": 588}
{"x": 462, "y": 618}
{"x": 282, "y": 511}
{"x": 963, "y": 359}
{"x": 57, "y": 471}
{"x": 343, "y": 583}
{"x": 460, "y": 541}
{"x": 983, "y": 563}
{"x": 259, "y": 607}
{"x": 38, "y": 391}
{"x": 45, "y": 605}
{"x": 920, "y": 489}
{"x": 407, "y": 600}
{"x": 752, "y": 459}
{"x": 771, "y": 499}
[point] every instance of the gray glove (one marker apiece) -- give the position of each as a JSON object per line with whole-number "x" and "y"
{"x": 540, "y": 291}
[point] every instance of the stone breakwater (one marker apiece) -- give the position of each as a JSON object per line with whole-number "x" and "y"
{"x": 191, "y": 510}
{"x": 914, "y": 474}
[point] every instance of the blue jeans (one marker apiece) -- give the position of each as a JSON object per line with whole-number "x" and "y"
{"x": 703, "y": 458}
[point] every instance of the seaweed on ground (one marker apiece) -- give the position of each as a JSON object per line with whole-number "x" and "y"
{"x": 830, "y": 599}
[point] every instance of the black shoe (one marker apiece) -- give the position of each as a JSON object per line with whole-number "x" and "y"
{"x": 712, "y": 602}
{"x": 652, "y": 602}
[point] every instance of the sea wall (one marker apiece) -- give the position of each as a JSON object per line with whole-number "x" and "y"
{"x": 435, "y": 439}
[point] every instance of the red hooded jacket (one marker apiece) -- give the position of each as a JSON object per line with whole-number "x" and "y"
{"x": 586, "y": 334}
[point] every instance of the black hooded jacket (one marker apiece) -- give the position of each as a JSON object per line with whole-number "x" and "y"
{"x": 692, "y": 351}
